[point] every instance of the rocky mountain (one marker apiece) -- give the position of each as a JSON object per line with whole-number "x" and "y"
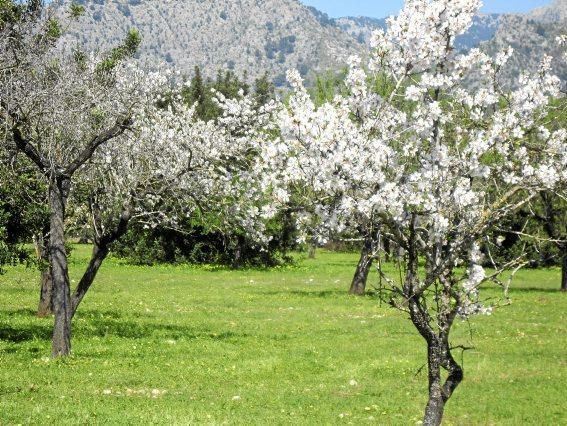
{"x": 484, "y": 27}
{"x": 243, "y": 35}
{"x": 360, "y": 27}
{"x": 258, "y": 36}
{"x": 532, "y": 36}
{"x": 555, "y": 12}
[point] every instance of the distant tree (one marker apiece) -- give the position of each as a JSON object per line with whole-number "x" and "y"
{"x": 207, "y": 237}
{"x": 553, "y": 218}
{"x": 197, "y": 94}
{"x": 23, "y": 215}
{"x": 327, "y": 85}
{"x": 172, "y": 166}
{"x": 264, "y": 90}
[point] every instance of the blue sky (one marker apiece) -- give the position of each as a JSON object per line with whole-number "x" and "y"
{"x": 382, "y": 8}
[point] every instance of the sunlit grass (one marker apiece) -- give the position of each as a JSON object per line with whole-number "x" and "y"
{"x": 181, "y": 344}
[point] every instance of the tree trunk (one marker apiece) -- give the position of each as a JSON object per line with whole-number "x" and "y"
{"x": 101, "y": 248}
{"x": 358, "y": 285}
{"x": 61, "y": 343}
{"x": 98, "y": 256}
{"x": 311, "y": 251}
{"x": 435, "y": 404}
{"x": 439, "y": 356}
{"x": 564, "y": 268}
{"x": 45, "y": 305}
{"x": 237, "y": 261}
{"x": 387, "y": 247}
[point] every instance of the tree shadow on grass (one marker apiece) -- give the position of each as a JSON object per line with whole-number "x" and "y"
{"x": 305, "y": 293}
{"x": 96, "y": 323}
{"x": 93, "y": 323}
{"x": 25, "y": 333}
{"x": 128, "y": 329}
{"x": 20, "y": 313}
{"x": 19, "y": 333}
{"x": 535, "y": 290}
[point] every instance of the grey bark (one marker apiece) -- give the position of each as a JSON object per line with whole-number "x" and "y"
{"x": 438, "y": 349}
{"x": 61, "y": 344}
{"x": 98, "y": 256}
{"x": 45, "y": 305}
{"x": 439, "y": 356}
{"x": 358, "y": 284}
{"x": 101, "y": 249}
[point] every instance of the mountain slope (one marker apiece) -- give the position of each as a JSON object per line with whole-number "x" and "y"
{"x": 258, "y": 36}
{"x": 532, "y": 36}
{"x": 555, "y": 12}
{"x": 244, "y": 35}
{"x": 484, "y": 27}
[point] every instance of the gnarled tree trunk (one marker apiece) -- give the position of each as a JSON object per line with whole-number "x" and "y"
{"x": 61, "y": 344}
{"x": 439, "y": 356}
{"x": 358, "y": 285}
{"x": 437, "y": 336}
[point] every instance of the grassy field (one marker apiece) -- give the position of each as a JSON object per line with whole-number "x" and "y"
{"x": 181, "y": 345}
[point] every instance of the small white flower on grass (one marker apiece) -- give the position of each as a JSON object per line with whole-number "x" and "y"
{"x": 155, "y": 393}
{"x": 353, "y": 383}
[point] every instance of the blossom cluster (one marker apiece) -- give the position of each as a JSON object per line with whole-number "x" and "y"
{"x": 171, "y": 164}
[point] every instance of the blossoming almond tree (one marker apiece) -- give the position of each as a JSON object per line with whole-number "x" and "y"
{"x": 174, "y": 165}
{"x": 435, "y": 164}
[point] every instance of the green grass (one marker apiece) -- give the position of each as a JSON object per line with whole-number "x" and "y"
{"x": 180, "y": 345}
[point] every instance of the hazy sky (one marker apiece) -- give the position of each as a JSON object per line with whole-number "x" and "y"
{"x": 382, "y": 8}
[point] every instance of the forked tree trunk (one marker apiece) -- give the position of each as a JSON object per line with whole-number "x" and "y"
{"x": 435, "y": 404}
{"x": 358, "y": 285}
{"x": 61, "y": 344}
{"x": 439, "y": 356}
{"x": 434, "y": 331}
